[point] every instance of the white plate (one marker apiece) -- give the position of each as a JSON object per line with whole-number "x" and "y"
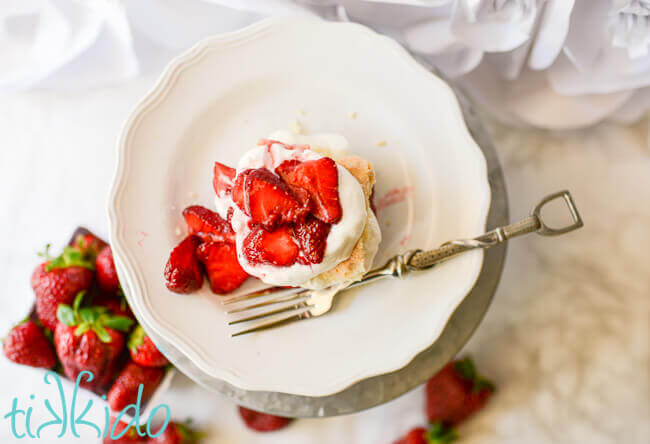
{"x": 214, "y": 103}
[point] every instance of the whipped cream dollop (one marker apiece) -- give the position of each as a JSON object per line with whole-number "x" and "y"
{"x": 343, "y": 235}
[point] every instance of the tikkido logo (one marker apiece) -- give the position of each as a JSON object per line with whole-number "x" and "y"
{"x": 68, "y": 418}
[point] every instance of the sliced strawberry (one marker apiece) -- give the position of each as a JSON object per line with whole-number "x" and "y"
{"x": 271, "y": 247}
{"x": 320, "y": 178}
{"x": 266, "y": 199}
{"x": 312, "y": 238}
{"x": 208, "y": 225}
{"x": 183, "y": 273}
{"x": 224, "y": 177}
{"x": 220, "y": 260}
{"x": 262, "y": 422}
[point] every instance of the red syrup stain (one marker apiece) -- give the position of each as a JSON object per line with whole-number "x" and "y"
{"x": 142, "y": 235}
{"x": 269, "y": 142}
{"x": 392, "y": 197}
{"x": 269, "y": 160}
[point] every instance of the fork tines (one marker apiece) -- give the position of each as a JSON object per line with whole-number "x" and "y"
{"x": 266, "y": 308}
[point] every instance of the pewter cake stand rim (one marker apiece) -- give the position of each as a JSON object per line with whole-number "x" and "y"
{"x": 380, "y": 389}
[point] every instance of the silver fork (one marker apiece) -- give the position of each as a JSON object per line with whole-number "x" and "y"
{"x": 275, "y": 306}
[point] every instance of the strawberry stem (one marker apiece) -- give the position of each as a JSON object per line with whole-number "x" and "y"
{"x": 467, "y": 370}
{"x": 96, "y": 319}
{"x": 71, "y": 257}
{"x": 438, "y": 433}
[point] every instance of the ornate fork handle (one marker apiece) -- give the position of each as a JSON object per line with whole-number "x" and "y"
{"x": 400, "y": 265}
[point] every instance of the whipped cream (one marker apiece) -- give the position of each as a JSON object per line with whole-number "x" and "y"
{"x": 343, "y": 235}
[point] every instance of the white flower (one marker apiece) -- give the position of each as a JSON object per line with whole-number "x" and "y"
{"x": 549, "y": 63}
{"x": 629, "y": 25}
{"x": 517, "y": 30}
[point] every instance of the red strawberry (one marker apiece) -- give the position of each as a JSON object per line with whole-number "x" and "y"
{"x": 124, "y": 390}
{"x": 320, "y": 178}
{"x": 414, "y": 436}
{"x": 89, "y": 339}
{"x": 89, "y": 245}
{"x": 58, "y": 280}
{"x": 436, "y": 434}
{"x": 271, "y": 247}
{"x": 129, "y": 437}
{"x": 208, "y": 225}
{"x": 143, "y": 351}
{"x": 106, "y": 273}
{"x": 183, "y": 273}
{"x": 224, "y": 177}
{"x": 266, "y": 199}
{"x": 312, "y": 238}
{"x": 456, "y": 392}
{"x": 176, "y": 433}
{"x": 221, "y": 264}
{"x": 115, "y": 304}
{"x": 262, "y": 422}
{"x": 27, "y": 344}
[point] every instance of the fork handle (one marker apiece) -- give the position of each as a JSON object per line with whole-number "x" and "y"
{"x": 533, "y": 223}
{"x": 400, "y": 265}
{"x": 427, "y": 259}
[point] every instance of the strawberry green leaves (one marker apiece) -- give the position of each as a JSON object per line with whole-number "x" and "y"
{"x": 96, "y": 319}
{"x": 121, "y": 323}
{"x": 71, "y": 257}
{"x": 65, "y": 315}
{"x": 440, "y": 434}
{"x": 467, "y": 370}
{"x": 136, "y": 339}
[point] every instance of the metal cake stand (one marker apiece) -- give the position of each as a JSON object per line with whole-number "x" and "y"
{"x": 383, "y": 388}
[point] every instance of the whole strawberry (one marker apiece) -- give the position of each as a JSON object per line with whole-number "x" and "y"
{"x": 27, "y": 344}
{"x": 106, "y": 273}
{"x": 58, "y": 280}
{"x": 115, "y": 303}
{"x": 143, "y": 351}
{"x": 456, "y": 392}
{"x": 89, "y": 338}
{"x": 176, "y": 433}
{"x": 129, "y": 437}
{"x": 89, "y": 245}
{"x": 262, "y": 422}
{"x": 436, "y": 434}
{"x": 124, "y": 390}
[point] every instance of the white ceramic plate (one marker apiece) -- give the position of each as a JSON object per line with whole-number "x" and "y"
{"x": 214, "y": 103}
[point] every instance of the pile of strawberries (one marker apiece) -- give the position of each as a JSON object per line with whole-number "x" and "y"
{"x": 452, "y": 395}
{"x": 82, "y": 323}
{"x": 291, "y": 212}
